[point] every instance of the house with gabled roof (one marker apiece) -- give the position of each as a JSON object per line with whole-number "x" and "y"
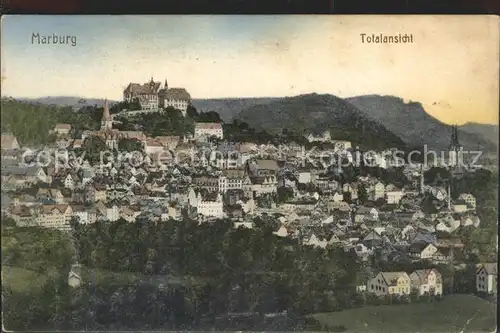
{"x": 486, "y": 278}
{"x": 390, "y": 283}
{"x": 427, "y": 281}
{"x": 75, "y": 276}
{"x": 8, "y": 142}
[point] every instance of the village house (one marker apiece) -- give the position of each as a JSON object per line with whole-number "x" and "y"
{"x": 422, "y": 250}
{"x": 23, "y": 215}
{"x": 9, "y": 141}
{"x": 390, "y": 283}
{"x": 378, "y": 191}
{"x": 427, "y": 281}
{"x": 51, "y": 194}
{"x": 203, "y": 131}
{"x": 25, "y": 175}
{"x": 129, "y": 214}
{"x": 281, "y": 232}
{"x": 486, "y": 278}
{"x": 341, "y": 145}
{"x": 311, "y": 238}
{"x": 62, "y": 129}
{"x": 109, "y": 212}
{"x": 322, "y": 137}
{"x": 55, "y": 216}
{"x": 75, "y": 276}
{"x": 169, "y": 142}
{"x": 460, "y": 206}
{"x": 234, "y": 179}
{"x": 364, "y": 214}
{"x": 153, "y": 146}
{"x": 84, "y": 214}
{"x": 210, "y": 205}
{"x": 469, "y": 199}
{"x": 394, "y": 196}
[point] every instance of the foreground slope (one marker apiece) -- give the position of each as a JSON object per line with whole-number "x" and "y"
{"x": 456, "y": 313}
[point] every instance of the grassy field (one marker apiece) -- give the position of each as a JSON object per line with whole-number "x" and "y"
{"x": 456, "y": 313}
{"x": 23, "y": 280}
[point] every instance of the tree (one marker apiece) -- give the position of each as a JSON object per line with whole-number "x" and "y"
{"x": 428, "y": 206}
{"x": 191, "y": 111}
{"x": 93, "y": 146}
{"x": 130, "y": 145}
{"x": 362, "y": 193}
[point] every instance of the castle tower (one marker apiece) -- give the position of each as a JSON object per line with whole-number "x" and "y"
{"x": 106, "y": 121}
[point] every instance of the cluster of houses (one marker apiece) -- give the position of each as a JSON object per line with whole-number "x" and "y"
{"x": 240, "y": 182}
{"x": 423, "y": 282}
{"x": 427, "y": 282}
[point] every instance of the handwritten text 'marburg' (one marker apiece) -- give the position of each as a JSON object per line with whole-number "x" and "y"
{"x": 53, "y": 39}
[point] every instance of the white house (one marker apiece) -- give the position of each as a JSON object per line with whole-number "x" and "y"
{"x": 206, "y": 130}
{"x": 206, "y": 207}
{"x": 304, "y": 177}
{"x": 9, "y": 141}
{"x": 62, "y": 129}
{"x": 248, "y": 224}
{"x": 378, "y": 191}
{"x": 427, "y": 281}
{"x": 389, "y": 283}
{"x": 486, "y": 278}
{"x": 69, "y": 182}
{"x": 74, "y": 276}
{"x": 394, "y": 197}
{"x": 281, "y": 232}
{"x": 469, "y": 199}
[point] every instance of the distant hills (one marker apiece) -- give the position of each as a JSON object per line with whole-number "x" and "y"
{"x": 416, "y": 127}
{"x": 487, "y": 131}
{"x": 74, "y": 102}
{"x": 228, "y": 108}
{"x": 316, "y": 113}
{"x": 379, "y": 114}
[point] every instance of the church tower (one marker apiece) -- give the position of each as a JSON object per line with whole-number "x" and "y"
{"x": 455, "y": 152}
{"x": 106, "y": 121}
{"x": 166, "y": 84}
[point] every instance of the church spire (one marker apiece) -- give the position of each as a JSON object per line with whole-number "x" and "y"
{"x": 105, "y": 114}
{"x": 106, "y": 121}
{"x": 454, "y": 136}
{"x": 166, "y": 84}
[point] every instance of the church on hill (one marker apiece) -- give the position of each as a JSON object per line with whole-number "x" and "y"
{"x": 111, "y": 135}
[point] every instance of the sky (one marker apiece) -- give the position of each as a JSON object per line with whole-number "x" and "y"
{"x": 452, "y": 66}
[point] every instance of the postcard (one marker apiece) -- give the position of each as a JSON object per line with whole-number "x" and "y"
{"x": 261, "y": 173}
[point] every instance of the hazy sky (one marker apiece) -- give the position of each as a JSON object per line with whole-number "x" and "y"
{"x": 452, "y": 66}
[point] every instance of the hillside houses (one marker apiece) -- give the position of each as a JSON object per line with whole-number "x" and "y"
{"x": 369, "y": 217}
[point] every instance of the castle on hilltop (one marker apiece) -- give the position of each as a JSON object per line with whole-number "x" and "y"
{"x": 152, "y": 96}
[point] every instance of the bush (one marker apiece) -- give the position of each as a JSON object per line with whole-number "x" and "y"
{"x": 337, "y": 328}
